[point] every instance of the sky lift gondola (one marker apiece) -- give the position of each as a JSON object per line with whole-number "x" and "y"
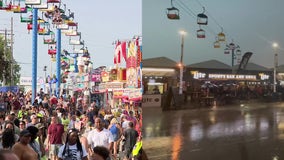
{"x": 53, "y": 1}
{"x": 202, "y": 18}
{"x": 27, "y": 19}
{"x": 52, "y": 51}
{"x": 75, "y": 41}
{"x": 18, "y": 8}
{"x": 227, "y": 51}
{"x": 5, "y": 5}
{"x": 200, "y": 33}
{"x": 50, "y": 40}
{"x": 217, "y": 43}
{"x": 173, "y": 12}
{"x": 221, "y": 36}
{"x": 72, "y": 32}
{"x": 43, "y": 5}
{"x": 44, "y": 28}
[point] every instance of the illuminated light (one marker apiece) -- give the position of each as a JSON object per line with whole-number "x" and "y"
{"x": 182, "y": 32}
{"x": 275, "y": 45}
{"x": 198, "y": 75}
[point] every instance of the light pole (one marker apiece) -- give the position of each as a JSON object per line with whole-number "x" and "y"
{"x": 232, "y": 47}
{"x": 183, "y": 33}
{"x": 44, "y": 69}
{"x": 275, "y": 46}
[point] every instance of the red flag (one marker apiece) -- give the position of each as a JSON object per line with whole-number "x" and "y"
{"x": 123, "y": 49}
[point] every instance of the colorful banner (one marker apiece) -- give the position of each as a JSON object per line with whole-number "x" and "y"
{"x": 96, "y": 78}
{"x": 131, "y": 64}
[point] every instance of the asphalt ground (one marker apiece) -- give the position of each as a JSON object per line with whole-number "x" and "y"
{"x": 246, "y": 131}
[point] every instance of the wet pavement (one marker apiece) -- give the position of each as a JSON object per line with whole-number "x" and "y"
{"x": 251, "y": 131}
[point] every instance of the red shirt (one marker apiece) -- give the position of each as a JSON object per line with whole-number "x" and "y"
{"x": 53, "y": 100}
{"x": 55, "y": 132}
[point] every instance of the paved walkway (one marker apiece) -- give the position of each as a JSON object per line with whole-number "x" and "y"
{"x": 169, "y": 135}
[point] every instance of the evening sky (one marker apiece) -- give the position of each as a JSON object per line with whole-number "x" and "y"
{"x": 254, "y": 25}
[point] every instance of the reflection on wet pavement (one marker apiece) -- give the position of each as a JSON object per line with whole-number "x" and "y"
{"x": 252, "y": 131}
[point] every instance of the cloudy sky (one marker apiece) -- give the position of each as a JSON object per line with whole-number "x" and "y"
{"x": 254, "y": 25}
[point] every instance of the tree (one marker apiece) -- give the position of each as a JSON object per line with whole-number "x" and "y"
{"x": 10, "y": 70}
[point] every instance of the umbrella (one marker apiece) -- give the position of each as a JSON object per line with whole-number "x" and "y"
{"x": 208, "y": 85}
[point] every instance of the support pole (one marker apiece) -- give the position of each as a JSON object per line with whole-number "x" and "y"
{"x": 181, "y": 65}
{"x": 233, "y": 56}
{"x": 76, "y": 63}
{"x": 274, "y": 71}
{"x": 34, "y": 53}
{"x": 58, "y": 62}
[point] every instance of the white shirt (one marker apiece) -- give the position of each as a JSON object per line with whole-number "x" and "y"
{"x": 102, "y": 138}
{"x": 73, "y": 152}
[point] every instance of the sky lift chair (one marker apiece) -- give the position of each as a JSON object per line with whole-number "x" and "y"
{"x": 173, "y": 12}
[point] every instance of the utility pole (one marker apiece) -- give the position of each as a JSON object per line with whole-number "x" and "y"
{"x": 5, "y": 53}
{"x": 12, "y": 56}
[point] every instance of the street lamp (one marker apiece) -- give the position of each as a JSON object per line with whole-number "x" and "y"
{"x": 275, "y": 46}
{"x": 182, "y": 33}
{"x": 44, "y": 69}
{"x": 233, "y": 47}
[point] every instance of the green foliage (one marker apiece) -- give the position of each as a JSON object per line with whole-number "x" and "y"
{"x": 9, "y": 69}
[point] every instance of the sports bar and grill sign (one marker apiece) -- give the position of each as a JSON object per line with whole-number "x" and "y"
{"x": 232, "y": 76}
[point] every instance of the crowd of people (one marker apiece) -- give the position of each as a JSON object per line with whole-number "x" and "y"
{"x": 66, "y": 128}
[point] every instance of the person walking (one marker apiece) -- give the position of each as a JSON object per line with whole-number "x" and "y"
{"x": 72, "y": 149}
{"x": 130, "y": 136}
{"x": 37, "y": 147}
{"x": 22, "y": 148}
{"x": 100, "y": 153}
{"x": 116, "y": 132}
{"x": 100, "y": 136}
{"x": 8, "y": 138}
{"x": 55, "y": 132}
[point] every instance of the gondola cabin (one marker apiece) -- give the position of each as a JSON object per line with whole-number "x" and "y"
{"x": 75, "y": 42}
{"x": 26, "y": 19}
{"x": 23, "y": 10}
{"x": 227, "y": 51}
{"x": 63, "y": 26}
{"x": 221, "y": 37}
{"x": 15, "y": 8}
{"x": 30, "y": 26}
{"x": 6, "y": 6}
{"x": 200, "y": 33}
{"x": 44, "y": 31}
{"x": 71, "y": 23}
{"x": 49, "y": 41}
{"x": 72, "y": 33}
{"x": 52, "y": 50}
{"x": 53, "y": 1}
{"x": 238, "y": 52}
{"x": 202, "y": 18}
{"x": 217, "y": 44}
{"x": 173, "y": 13}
